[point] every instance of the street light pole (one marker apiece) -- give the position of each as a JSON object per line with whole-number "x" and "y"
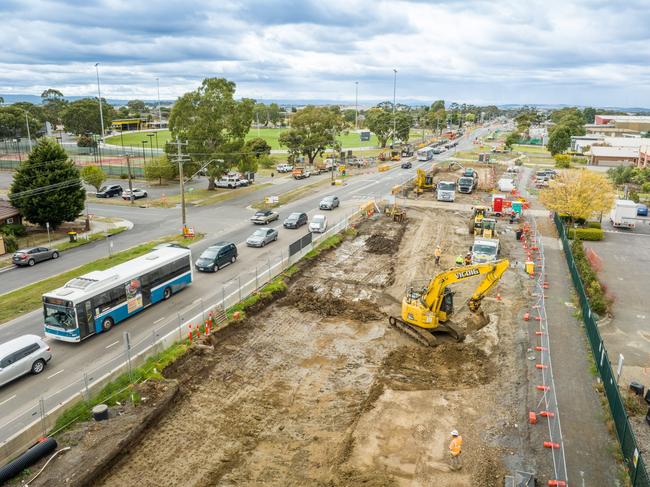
{"x": 394, "y": 93}
{"x": 144, "y": 155}
{"x": 159, "y": 113}
{"x": 356, "y": 105}
{"x": 151, "y": 144}
{"x": 29, "y": 137}
{"x": 99, "y": 95}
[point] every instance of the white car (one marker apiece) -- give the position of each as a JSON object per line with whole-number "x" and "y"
{"x": 137, "y": 194}
{"x": 23, "y": 355}
{"x": 284, "y": 168}
{"x": 229, "y": 182}
{"x": 506, "y": 185}
{"x": 318, "y": 224}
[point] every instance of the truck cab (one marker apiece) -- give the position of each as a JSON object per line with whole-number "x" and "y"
{"x": 485, "y": 250}
{"x": 446, "y": 191}
{"x": 466, "y": 184}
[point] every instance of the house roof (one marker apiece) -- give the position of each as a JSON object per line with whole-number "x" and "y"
{"x": 626, "y": 141}
{"x": 7, "y": 211}
{"x": 604, "y": 151}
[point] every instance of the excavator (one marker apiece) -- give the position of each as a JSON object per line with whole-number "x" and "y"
{"x": 423, "y": 181}
{"x": 478, "y": 214}
{"x": 428, "y": 309}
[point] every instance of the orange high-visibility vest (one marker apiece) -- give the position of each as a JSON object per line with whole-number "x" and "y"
{"x": 456, "y": 445}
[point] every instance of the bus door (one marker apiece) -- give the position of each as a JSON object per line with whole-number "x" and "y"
{"x": 85, "y": 319}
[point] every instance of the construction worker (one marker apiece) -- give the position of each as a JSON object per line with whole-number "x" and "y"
{"x": 437, "y": 254}
{"x": 459, "y": 260}
{"x": 455, "y": 449}
{"x": 468, "y": 259}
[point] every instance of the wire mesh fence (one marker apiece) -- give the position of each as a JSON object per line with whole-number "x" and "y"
{"x": 629, "y": 446}
{"x": 39, "y": 415}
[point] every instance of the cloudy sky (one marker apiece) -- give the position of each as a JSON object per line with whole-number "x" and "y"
{"x": 586, "y": 52}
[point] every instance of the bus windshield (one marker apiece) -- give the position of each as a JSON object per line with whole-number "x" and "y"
{"x": 60, "y": 316}
{"x": 446, "y": 186}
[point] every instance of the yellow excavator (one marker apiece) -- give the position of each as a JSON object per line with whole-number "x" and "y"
{"x": 423, "y": 181}
{"x": 428, "y": 309}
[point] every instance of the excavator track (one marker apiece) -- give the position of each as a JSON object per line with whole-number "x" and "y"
{"x": 420, "y": 335}
{"x": 459, "y": 336}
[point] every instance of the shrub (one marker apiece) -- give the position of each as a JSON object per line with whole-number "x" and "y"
{"x": 645, "y": 187}
{"x": 589, "y": 234}
{"x": 86, "y": 141}
{"x": 562, "y": 161}
{"x": 634, "y": 196}
{"x": 593, "y": 225}
{"x": 594, "y": 290}
{"x": 519, "y": 162}
{"x": 11, "y": 244}
{"x": 15, "y": 229}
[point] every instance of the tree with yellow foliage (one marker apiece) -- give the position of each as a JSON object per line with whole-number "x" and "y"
{"x": 579, "y": 194}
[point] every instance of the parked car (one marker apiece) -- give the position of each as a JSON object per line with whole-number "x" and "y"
{"x": 229, "y": 182}
{"x": 641, "y": 210}
{"x": 109, "y": 191}
{"x": 284, "y": 168}
{"x": 217, "y": 256}
{"x": 295, "y": 220}
{"x": 262, "y": 236}
{"x": 407, "y": 165}
{"x": 264, "y": 217}
{"x": 32, "y": 255}
{"x": 318, "y": 224}
{"x": 329, "y": 203}
{"x": 137, "y": 194}
{"x": 23, "y": 355}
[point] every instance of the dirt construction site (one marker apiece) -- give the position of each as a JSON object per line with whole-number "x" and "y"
{"x": 317, "y": 389}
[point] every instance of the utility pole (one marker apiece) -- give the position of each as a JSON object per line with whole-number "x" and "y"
{"x": 159, "y": 114}
{"x": 179, "y": 160}
{"x": 394, "y": 93}
{"x": 99, "y": 95}
{"x": 356, "y": 105}
{"x": 29, "y": 137}
{"x": 128, "y": 168}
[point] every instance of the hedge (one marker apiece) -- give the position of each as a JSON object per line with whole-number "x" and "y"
{"x": 593, "y": 225}
{"x": 595, "y": 291}
{"x": 589, "y": 234}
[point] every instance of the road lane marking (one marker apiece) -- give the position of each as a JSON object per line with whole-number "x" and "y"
{"x": 7, "y": 400}
{"x": 158, "y": 320}
{"x": 114, "y": 343}
{"x": 56, "y": 373}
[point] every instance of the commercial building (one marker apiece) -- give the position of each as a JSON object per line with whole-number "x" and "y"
{"x": 613, "y": 156}
{"x": 638, "y": 123}
{"x": 609, "y": 131}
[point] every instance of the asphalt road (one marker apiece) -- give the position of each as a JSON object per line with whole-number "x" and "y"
{"x": 228, "y": 221}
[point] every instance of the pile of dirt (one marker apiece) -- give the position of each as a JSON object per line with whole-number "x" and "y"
{"x": 379, "y": 244}
{"x": 450, "y": 366}
{"x": 307, "y": 299}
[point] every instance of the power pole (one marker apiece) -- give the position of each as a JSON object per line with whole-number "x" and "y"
{"x": 179, "y": 160}
{"x": 128, "y": 168}
{"x": 356, "y": 105}
{"x": 394, "y": 93}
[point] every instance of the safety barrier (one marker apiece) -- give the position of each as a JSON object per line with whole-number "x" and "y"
{"x": 629, "y": 447}
{"x": 35, "y": 419}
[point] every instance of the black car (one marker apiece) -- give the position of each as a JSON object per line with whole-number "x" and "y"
{"x": 109, "y": 191}
{"x": 407, "y": 165}
{"x": 296, "y": 220}
{"x": 217, "y": 256}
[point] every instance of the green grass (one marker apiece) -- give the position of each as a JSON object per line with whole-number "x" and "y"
{"x": 531, "y": 149}
{"x": 203, "y": 197}
{"x": 28, "y": 298}
{"x": 93, "y": 237}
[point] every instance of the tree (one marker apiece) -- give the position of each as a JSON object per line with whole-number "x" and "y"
{"x": 82, "y": 116}
{"x": 257, "y": 146}
{"x": 562, "y": 161}
{"x": 380, "y": 122}
{"x": 589, "y": 114}
{"x": 512, "y": 138}
{"x": 50, "y": 94}
{"x": 214, "y": 124}
{"x": 470, "y": 117}
{"x": 160, "y": 168}
{"x": 86, "y": 141}
{"x": 579, "y": 193}
{"x": 47, "y": 187}
{"x": 403, "y": 124}
{"x": 2, "y": 100}
{"x": 12, "y": 120}
{"x": 136, "y": 106}
{"x": 313, "y": 129}
{"x": 437, "y": 119}
{"x": 93, "y": 176}
{"x": 437, "y": 105}
{"x": 559, "y": 140}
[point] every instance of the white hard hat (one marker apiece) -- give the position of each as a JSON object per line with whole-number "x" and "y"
{"x": 454, "y": 433}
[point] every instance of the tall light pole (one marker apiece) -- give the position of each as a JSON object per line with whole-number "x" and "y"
{"x": 29, "y": 137}
{"x": 356, "y": 105}
{"x": 159, "y": 115}
{"x": 394, "y": 93}
{"x": 99, "y": 95}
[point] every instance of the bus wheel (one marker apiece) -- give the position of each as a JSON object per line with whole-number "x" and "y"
{"x": 167, "y": 293}
{"x": 107, "y": 324}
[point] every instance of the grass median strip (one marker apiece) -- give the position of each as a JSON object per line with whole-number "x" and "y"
{"x": 93, "y": 237}
{"x": 203, "y": 197}
{"x": 292, "y": 195}
{"x": 28, "y": 298}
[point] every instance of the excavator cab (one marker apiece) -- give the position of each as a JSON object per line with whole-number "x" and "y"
{"x": 489, "y": 226}
{"x": 447, "y": 306}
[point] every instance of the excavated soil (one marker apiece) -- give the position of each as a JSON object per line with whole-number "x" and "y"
{"x": 317, "y": 389}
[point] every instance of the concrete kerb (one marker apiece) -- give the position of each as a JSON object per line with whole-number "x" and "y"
{"x": 25, "y": 438}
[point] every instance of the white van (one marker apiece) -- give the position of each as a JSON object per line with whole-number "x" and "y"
{"x": 23, "y": 355}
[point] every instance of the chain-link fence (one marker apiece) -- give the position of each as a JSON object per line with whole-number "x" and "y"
{"x": 631, "y": 454}
{"x": 21, "y": 429}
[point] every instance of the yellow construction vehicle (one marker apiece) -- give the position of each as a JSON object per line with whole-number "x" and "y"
{"x": 423, "y": 181}
{"x": 488, "y": 228}
{"x": 428, "y": 309}
{"x": 478, "y": 214}
{"x": 395, "y": 155}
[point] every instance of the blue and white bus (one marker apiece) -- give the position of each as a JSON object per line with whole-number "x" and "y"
{"x": 425, "y": 154}
{"x": 94, "y": 302}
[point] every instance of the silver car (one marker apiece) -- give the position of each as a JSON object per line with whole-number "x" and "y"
{"x": 261, "y": 237}
{"x": 23, "y": 355}
{"x": 33, "y": 255}
{"x": 329, "y": 203}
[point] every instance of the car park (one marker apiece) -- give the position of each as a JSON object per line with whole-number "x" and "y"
{"x": 407, "y": 165}
{"x": 217, "y": 256}
{"x": 264, "y": 217}
{"x": 329, "y": 203}
{"x": 318, "y": 224}
{"x": 109, "y": 191}
{"x": 23, "y": 355}
{"x": 137, "y": 194}
{"x": 295, "y": 220}
{"x": 262, "y": 236}
{"x": 32, "y": 255}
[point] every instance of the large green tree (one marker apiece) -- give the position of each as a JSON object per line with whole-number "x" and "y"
{"x": 313, "y": 129}
{"x": 82, "y": 116}
{"x": 559, "y": 140}
{"x": 214, "y": 124}
{"x": 589, "y": 114}
{"x": 53, "y": 105}
{"x": 47, "y": 187}
{"x": 93, "y": 176}
{"x": 13, "y": 123}
{"x": 380, "y": 122}
{"x": 403, "y": 124}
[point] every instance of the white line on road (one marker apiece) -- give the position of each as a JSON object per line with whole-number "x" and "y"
{"x": 158, "y": 320}
{"x": 56, "y": 373}
{"x": 114, "y": 343}
{"x": 7, "y": 400}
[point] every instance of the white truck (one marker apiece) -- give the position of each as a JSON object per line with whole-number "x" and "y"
{"x": 446, "y": 191}
{"x": 485, "y": 250}
{"x": 623, "y": 215}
